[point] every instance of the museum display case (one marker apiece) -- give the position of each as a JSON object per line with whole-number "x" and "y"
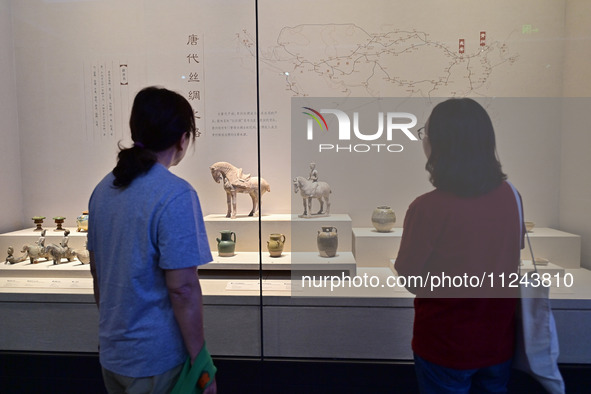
{"x": 292, "y": 176}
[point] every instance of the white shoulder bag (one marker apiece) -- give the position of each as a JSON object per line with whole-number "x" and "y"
{"x": 536, "y": 339}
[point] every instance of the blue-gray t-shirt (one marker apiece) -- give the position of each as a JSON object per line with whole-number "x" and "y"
{"x": 152, "y": 225}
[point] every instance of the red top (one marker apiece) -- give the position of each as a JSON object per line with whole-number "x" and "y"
{"x": 455, "y": 236}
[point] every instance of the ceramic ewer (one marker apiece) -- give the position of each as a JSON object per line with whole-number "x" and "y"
{"x": 227, "y": 244}
{"x": 275, "y": 244}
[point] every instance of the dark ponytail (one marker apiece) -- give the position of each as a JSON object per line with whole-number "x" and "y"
{"x": 132, "y": 162}
{"x": 159, "y": 118}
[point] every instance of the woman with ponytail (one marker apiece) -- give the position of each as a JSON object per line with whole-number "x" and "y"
{"x": 146, "y": 238}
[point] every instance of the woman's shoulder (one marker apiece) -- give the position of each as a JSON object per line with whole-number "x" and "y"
{"x": 105, "y": 185}
{"x": 432, "y": 198}
{"x": 159, "y": 184}
{"x": 172, "y": 181}
{"x": 438, "y": 197}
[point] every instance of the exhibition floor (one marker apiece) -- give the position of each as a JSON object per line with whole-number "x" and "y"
{"x": 77, "y": 373}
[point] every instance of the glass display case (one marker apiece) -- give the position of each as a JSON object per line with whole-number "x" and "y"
{"x": 271, "y": 84}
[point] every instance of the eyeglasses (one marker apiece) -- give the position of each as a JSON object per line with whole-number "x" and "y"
{"x": 421, "y": 133}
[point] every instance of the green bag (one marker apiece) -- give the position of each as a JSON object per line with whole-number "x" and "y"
{"x": 195, "y": 378}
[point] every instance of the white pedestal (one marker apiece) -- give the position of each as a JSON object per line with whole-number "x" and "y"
{"x": 311, "y": 261}
{"x": 297, "y": 261}
{"x": 374, "y": 249}
{"x": 526, "y": 267}
{"x": 559, "y": 247}
{"x": 45, "y": 269}
{"x": 549, "y": 268}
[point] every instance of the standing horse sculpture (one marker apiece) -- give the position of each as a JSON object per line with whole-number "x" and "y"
{"x": 312, "y": 189}
{"x": 236, "y": 182}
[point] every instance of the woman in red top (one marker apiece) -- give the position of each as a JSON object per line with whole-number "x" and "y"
{"x": 464, "y": 232}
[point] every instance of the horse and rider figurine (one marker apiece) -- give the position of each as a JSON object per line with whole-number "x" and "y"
{"x": 312, "y": 188}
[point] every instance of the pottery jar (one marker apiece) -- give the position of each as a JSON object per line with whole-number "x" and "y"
{"x": 82, "y": 222}
{"x": 275, "y": 244}
{"x": 328, "y": 241}
{"x": 227, "y": 244}
{"x": 383, "y": 219}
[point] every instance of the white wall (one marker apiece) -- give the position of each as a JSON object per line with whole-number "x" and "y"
{"x": 56, "y": 46}
{"x": 11, "y": 206}
{"x": 575, "y": 186}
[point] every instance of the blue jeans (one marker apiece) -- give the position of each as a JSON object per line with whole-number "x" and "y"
{"x": 435, "y": 379}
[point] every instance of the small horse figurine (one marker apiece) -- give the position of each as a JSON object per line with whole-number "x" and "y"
{"x": 236, "y": 182}
{"x": 35, "y": 252}
{"x": 59, "y": 252}
{"x": 312, "y": 189}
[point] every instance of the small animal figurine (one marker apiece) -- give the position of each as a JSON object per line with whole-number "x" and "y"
{"x": 83, "y": 255}
{"x": 58, "y": 252}
{"x": 10, "y": 259}
{"x": 35, "y": 252}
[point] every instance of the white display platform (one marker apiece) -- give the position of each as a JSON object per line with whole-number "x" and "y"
{"x": 18, "y": 238}
{"x": 526, "y": 266}
{"x": 245, "y": 261}
{"x": 305, "y": 261}
{"x": 374, "y": 249}
{"x": 84, "y": 285}
{"x": 580, "y": 289}
{"x": 300, "y": 233}
{"x": 45, "y": 269}
{"x": 369, "y": 247}
{"x": 559, "y": 247}
{"x": 312, "y": 261}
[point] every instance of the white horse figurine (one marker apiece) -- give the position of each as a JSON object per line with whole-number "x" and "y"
{"x": 308, "y": 190}
{"x": 237, "y": 182}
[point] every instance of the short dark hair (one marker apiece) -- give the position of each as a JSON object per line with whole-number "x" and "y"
{"x": 159, "y": 118}
{"x": 463, "y": 157}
